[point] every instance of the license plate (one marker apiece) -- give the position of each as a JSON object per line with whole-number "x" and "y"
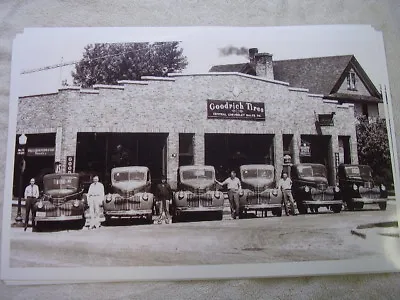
{"x": 40, "y": 214}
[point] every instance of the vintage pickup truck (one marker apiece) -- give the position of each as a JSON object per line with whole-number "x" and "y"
{"x": 62, "y": 200}
{"x": 311, "y": 189}
{"x": 259, "y": 191}
{"x": 131, "y": 195}
{"x": 196, "y": 193}
{"x": 358, "y": 187}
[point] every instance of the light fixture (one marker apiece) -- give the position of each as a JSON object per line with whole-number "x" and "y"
{"x": 22, "y": 139}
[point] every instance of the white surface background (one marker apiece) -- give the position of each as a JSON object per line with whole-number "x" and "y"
{"x": 384, "y": 15}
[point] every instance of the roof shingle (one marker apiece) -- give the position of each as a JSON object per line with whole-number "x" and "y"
{"x": 318, "y": 74}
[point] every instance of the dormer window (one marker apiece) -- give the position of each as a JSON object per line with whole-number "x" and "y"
{"x": 351, "y": 81}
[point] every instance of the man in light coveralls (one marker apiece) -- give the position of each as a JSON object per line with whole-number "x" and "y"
{"x": 95, "y": 198}
{"x": 234, "y": 188}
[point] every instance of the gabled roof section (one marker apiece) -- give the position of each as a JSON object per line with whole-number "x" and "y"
{"x": 318, "y": 74}
{"x": 245, "y": 68}
{"x": 369, "y": 85}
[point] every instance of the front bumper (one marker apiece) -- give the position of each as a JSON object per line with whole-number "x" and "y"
{"x": 324, "y": 202}
{"x": 200, "y": 209}
{"x": 369, "y": 200}
{"x": 261, "y": 206}
{"x": 128, "y": 213}
{"x": 55, "y": 219}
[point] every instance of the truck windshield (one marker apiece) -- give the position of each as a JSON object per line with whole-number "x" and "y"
{"x": 258, "y": 173}
{"x": 312, "y": 171}
{"x": 129, "y": 176}
{"x": 359, "y": 171}
{"x": 197, "y": 174}
{"x": 61, "y": 182}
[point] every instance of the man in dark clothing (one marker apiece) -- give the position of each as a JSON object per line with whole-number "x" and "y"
{"x": 164, "y": 194}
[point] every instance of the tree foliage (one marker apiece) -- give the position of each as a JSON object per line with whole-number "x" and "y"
{"x": 373, "y": 148}
{"x": 108, "y": 63}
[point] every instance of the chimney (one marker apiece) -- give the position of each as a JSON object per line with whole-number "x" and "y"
{"x": 262, "y": 63}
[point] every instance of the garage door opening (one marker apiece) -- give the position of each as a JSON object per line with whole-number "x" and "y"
{"x": 317, "y": 150}
{"x": 39, "y": 159}
{"x": 228, "y": 152}
{"x": 100, "y": 152}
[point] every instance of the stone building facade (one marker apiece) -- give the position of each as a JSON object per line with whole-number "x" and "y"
{"x": 177, "y": 105}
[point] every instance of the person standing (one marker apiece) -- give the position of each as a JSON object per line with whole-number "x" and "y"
{"x": 95, "y": 197}
{"x": 234, "y": 188}
{"x": 164, "y": 195}
{"x": 285, "y": 185}
{"x": 31, "y": 195}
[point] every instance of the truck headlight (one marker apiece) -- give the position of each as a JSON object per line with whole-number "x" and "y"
{"x": 306, "y": 189}
{"x": 181, "y": 195}
{"x": 241, "y": 193}
{"x": 217, "y": 194}
{"x": 40, "y": 204}
{"x": 275, "y": 192}
{"x": 355, "y": 187}
{"x": 108, "y": 198}
{"x": 76, "y": 203}
{"x": 145, "y": 197}
{"x": 337, "y": 189}
{"x": 383, "y": 188}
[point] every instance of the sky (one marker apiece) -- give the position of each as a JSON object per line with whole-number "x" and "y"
{"x": 42, "y": 47}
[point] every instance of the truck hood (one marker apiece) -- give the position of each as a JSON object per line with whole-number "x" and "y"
{"x": 200, "y": 184}
{"x": 313, "y": 181}
{"x": 59, "y": 193}
{"x": 259, "y": 182}
{"x": 128, "y": 186}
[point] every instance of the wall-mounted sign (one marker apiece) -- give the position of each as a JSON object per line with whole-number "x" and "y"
{"x": 239, "y": 110}
{"x": 21, "y": 151}
{"x": 70, "y": 164}
{"x": 305, "y": 150}
{"x": 325, "y": 119}
{"x": 41, "y": 151}
{"x": 337, "y": 160}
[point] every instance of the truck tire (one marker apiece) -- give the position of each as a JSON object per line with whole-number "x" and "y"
{"x": 337, "y": 208}
{"x": 382, "y": 206}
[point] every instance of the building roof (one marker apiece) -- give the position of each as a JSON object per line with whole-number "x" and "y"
{"x": 240, "y": 68}
{"x": 318, "y": 74}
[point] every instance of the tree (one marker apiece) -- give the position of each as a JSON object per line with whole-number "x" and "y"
{"x": 373, "y": 148}
{"x": 108, "y": 63}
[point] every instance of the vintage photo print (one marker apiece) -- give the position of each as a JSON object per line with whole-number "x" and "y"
{"x": 199, "y": 152}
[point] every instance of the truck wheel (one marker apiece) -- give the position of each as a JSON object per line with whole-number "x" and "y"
{"x": 108, "y": 220}
{"x": 301, "y": 208}
{"x": 350, "y": 205}
{"x": 359, "y": 205}
{"x": 277, "y": 212}
{"x": 336, "y": 208}
{"x": 37, "y": 227}
{"x": 219, "y": 215}
{"x": 80, "y": 224}
{"x": 382, "y": 206}
{"x": 149, "y": 218}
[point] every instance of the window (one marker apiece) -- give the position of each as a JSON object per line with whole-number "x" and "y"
{"x": 351, "y": 81}
{"x": 365, "y": 110}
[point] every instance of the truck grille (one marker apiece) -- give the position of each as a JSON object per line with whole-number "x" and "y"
{"x": 258, "y": 199}
{"x": 131, "y": 203}
{"x": 57, "y": 211}
{"x": 204, "y": 200}
{"x": 370, "y": 193}
{"x": 322, "y": 195}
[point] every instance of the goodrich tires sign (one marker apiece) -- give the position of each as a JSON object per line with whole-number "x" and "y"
{"x": 239, "y": 110}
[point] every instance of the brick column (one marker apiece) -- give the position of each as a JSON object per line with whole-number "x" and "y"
{"x": 353, "y": 149}
{"x": 278, "y": 151}
{"x": 68, "y": 147}
{"x": 199, "y": 149}
{"x": 58, "y": 145}
{"x": 173, "y": 158}
{"x": 334, "y": 147}
{"x": 295, "y": 148}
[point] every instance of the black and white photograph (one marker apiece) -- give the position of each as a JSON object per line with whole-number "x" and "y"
{"x": 149, "y": 149}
